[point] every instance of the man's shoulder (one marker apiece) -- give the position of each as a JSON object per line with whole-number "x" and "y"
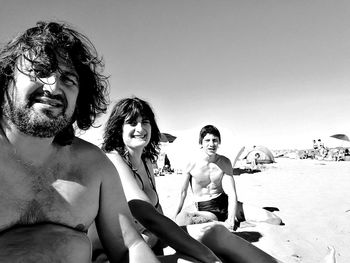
{"x": 90, "y": 160}
{"x": 223, "y": 159}
{"x": 225, "y": 164}
{"x": 79, "y": 144}
{"x": 87, "y": 153}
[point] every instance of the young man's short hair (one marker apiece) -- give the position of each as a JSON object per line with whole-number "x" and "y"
{"x": 209, "y": 129}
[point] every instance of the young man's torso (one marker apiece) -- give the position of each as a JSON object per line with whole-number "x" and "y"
{"x": 206, "y": 177}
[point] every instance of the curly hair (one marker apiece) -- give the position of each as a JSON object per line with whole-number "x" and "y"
{"x": 43, "y": 46}
{"x": 130, "y": 109}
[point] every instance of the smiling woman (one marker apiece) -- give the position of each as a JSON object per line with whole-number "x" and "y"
{"x": 136, "y": 132}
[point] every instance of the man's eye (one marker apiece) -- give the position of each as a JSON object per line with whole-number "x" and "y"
{"x": 68, "y": 80}
{"x": 37, "y": 73}
{"x": 40, "y": 70}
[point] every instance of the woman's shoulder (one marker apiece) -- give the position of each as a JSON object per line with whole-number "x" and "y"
{"x": 149, "y": 164}
{"x": 115, "y": 157}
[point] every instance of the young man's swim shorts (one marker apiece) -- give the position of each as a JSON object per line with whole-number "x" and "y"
{"x": 217, "y": 206}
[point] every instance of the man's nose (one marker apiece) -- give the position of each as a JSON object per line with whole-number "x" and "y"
{"x": 51, "y": 84}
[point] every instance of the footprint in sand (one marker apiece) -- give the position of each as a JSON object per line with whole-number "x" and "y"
{"x": 329, "y": 258}
{"x": 297, "y": 257}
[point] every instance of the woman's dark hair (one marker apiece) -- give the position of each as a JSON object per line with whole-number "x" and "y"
{"x": 43, "y": 46}
{"x": 209, "y": 129}
{"x": 130, "y": 109}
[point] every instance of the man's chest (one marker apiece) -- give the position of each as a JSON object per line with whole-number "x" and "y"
{"x": 52, "y": 193}
{"x": 207, "y": 174}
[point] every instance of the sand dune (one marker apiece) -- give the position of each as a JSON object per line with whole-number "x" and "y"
{"x": 313, "y": 199}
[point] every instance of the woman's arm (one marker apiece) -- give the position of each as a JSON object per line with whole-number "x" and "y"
{"x": 170, "y": 232}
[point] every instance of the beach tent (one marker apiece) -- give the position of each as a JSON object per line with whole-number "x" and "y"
{"x": 265, "y": 155}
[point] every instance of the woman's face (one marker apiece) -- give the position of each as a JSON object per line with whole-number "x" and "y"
{"x": 137, "y": 133}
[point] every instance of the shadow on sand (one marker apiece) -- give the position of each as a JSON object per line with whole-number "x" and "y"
{"x": 239, "y": 171}
{"x": 250, "y": 236}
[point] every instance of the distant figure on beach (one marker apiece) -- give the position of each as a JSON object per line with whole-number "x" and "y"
{"x": 255, "y": 162}
{"x": 320, "y": 144}
{"x": 131, "y": 140}
{"x": 323, "y": 152}
{"x": 314, "y": 145}
{"x": 53, "y": 184}
{"x": 211, "y": 178}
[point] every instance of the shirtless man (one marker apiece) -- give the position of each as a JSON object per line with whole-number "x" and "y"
{"x": 213, "y": 186}
{"x": 53, "y": 184}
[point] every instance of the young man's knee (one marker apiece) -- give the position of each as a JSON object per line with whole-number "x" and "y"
{"x": 190, "y": 218}
{"x": 216, "y": 230}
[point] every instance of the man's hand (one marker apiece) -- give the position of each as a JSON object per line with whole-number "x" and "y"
{"x": 231, "y": 224}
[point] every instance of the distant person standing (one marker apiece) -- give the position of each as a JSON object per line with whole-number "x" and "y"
{"x": 320, "y": 144}
{"x": 255, "y": 162}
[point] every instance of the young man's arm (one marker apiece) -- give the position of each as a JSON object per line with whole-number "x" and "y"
{"x": 229, "y": 187}
{"x": 117, "y": 233}
{"x": 184, "y": 189}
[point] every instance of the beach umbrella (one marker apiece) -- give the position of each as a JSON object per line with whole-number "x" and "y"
{"x": 342, "y": 137}
{"x": 166, "y": 137}
{"x": 336, "y": 140}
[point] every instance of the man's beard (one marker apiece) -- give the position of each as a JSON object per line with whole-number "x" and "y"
{"x": 32, "y": 123}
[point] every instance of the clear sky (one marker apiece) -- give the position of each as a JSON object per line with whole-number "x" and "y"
{"x": 271, "y": 72}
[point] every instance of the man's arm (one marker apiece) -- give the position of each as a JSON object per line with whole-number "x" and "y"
{"x": 184, "y": 189}
{"x": 117, "y": 233}
{"x": 229, "y": 187}
{"x": 228, "y": 184}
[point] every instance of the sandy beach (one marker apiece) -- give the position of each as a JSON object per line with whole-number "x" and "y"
{"x": 313, "y": 199}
